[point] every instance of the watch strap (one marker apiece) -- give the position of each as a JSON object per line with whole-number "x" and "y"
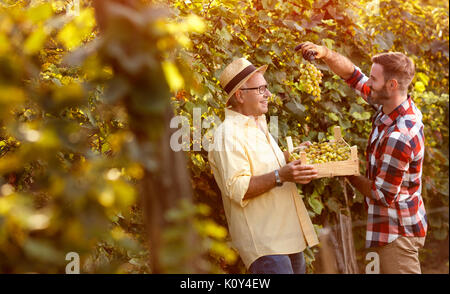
{"x": 277, "y": 179}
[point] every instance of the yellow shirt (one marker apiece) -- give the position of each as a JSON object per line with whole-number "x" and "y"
{"x": 275, "y": 222}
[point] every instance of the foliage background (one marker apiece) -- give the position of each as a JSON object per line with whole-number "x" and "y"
{"x": 81, "y": 112}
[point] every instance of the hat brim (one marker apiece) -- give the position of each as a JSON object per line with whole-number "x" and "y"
{"x": 261, "y": 69}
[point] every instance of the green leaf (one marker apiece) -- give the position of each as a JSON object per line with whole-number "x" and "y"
{"x": 333, "y": 116}
{"x": 225, "y": 35}
{"x": 365, "y": 115}
{"x": 43, "y": 251}
{"x": 329, "y": 43}
{"x": 296, "y": 107}
{"x": 333, "y": 205}
{"x": 356, "y": 115}
{"x": 263, "y": 58}
{"x": 361, "y": 101}
{"x": 357, "y": 112}
{"x": 315, "y": 203}
{"x": 293, "y": 25}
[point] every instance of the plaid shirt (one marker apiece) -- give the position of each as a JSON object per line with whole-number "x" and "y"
{"x": 394, "y": 157}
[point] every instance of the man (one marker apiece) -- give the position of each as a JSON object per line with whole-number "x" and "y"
{"x": 397, "y": 223}
{"x": 267, "y": 219}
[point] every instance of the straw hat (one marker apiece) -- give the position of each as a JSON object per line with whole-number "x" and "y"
{"x": 236, "y": 74}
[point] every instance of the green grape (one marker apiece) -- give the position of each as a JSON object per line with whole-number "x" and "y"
{"x": 325, "y": 152}
{"x": 310, "y": 79}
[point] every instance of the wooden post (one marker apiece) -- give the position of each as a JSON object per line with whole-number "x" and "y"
{"x": 337, "y": 133}
{"x": 326, "y": 252}
{"x": 354, "y": 156}
{"x": 353, "y": 152}
{"x": 290, "y": 145}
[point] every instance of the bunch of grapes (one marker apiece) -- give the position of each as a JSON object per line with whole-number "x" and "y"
{"x": 325, "y": 152}
{"x": 310, "y": 79}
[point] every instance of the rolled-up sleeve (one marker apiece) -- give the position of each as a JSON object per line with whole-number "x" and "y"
{"x": 233, "y": 167}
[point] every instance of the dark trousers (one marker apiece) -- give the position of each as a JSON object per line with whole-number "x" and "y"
{"x": 279, "y": 264}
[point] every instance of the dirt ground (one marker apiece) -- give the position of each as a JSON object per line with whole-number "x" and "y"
{"x": 434, "y": 257}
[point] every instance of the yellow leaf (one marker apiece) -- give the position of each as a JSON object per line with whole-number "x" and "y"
{"x": 40, "y": 12}
{"x": 214, "y": 230}
{"x": 6, "y": 203}
{"x": 419, "y": 87}
{"x": 9, "y": 163}
{"x": 124, "y": 193}
{"x": 69, "y": 36}
{"x": 195, "y": 24}
{"x": 423, "y": 77}
{"x": 48, "y": 139}
{"x": 11, "y": 95}
{"x": 35, "y": 41}
{"x": 118, "y": 233}
{"x": 173, "y": 76}
{"x": 4, "y": 43}
{"x": 75, "y": 32}
{"x": 183, "y": 40}
{"x": 86, "y": 18}
{"x": 135, "y": 171}
{"x": 106, "y": 198}
{"x": 72, "y": 92}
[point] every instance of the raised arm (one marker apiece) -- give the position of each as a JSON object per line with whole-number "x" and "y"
{"x": 341, "y": 66}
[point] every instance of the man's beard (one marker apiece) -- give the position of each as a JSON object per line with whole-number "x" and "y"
{"x": 380, "y": 96}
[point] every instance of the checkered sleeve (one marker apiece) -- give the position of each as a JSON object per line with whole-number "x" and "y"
{"x": 358, "y": 81}
{"x": 396, "y": 154}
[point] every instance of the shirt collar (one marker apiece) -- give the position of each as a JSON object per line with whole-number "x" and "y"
{"x": 240, "y": 119}
{"x": 388, "y": 119}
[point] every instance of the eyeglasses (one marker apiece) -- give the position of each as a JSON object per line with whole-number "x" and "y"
{"x": 261, "y": 89}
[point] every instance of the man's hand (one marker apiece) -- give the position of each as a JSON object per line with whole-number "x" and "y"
{"x": 304, "y": 144}
{"x": 338, "y": 64}
{"x": 297, "y": 173}
{"x": 312, "y": 51}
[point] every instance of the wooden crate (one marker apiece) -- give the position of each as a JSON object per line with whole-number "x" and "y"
{"x": 333, "y": 168}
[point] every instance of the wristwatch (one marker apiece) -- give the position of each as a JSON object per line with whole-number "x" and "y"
{"x": 277, "y": 179}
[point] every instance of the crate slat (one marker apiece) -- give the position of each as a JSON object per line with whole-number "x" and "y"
{"x": 332, "y": 168}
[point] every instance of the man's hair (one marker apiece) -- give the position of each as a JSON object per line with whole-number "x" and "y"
{"x": 397, "y": 66}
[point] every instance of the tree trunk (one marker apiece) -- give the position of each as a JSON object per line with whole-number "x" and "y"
{"x": 162, "y": 191}
{"x": 163, "y": 186}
